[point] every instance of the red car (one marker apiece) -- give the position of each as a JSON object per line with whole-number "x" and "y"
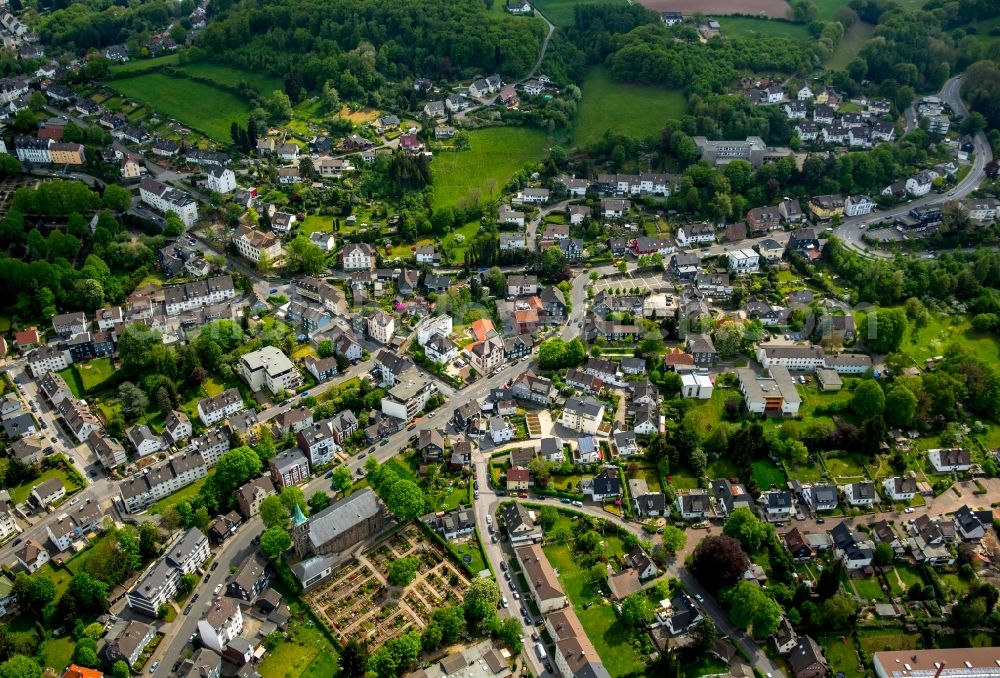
{"x": 522, "y": 495}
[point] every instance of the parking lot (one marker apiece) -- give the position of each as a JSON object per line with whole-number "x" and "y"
{"x": 653, "y": 281}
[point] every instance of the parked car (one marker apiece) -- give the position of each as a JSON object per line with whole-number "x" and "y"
{"x": 215, "y": 566}
{"x": 154, "y": 666}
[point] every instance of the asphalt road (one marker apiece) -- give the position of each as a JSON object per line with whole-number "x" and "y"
{"x": 851, "y": 230}
{"x": 178, "y": 632}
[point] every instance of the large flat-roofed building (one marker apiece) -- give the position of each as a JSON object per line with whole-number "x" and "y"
{"x": 159, "y": 583}
{"x": 958, "y": 662}
{"x": 269, "y": 367}
{"x": 751, "y": 149}
{"x": 340, "y": 526}
{"x": 774, "y": 394}
{"x": 409, "y": 396}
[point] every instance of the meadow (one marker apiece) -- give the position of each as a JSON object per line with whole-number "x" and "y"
{"x": 226, "y": 75}
{"x": 850, "y": 45}
{"x": 560, "y": 12}
{"x": 201, "y": 107}
{"x": 749, "y": 27}
{"x": 636, "y": 110}
{"x": 480, "y": 173}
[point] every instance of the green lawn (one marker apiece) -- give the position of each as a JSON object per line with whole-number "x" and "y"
{"x": 869, "y": 589}
{"x": 609, "y": 637}
{"x": 315, "y": 222}
{"x": 811, "y": 473}
{"x": 751, "y": 27}
{"x": 227, "y": 75}
{"x": 560, "y": 12}
{"x": 958, "y": 585}
{"x": 766, "y": 474}
{"x": 722, "y": 468}
{"x": 470, "y": 549}
{"x": 20, "y": 493}
{"x": 307, "y": 653}
{"x": 636, "y": 110}
{"x": 59, "y": 576}
{"x": 907, "y": 575}
{"x": 199, "y": 106}
{"x": 480, "y": 173}
{"x": 143, "y": 64}
{"x": 850, "y": 45}
{"x": 887, "y": 639}
{"x": 708, "y": 666}
{"x": 92, "y": 374}
{"x": 939, "y": 331}
{"x": 651, "y": 475}
{"x": 57, "y": 653}
{"x": 73, "y": 380}
{"x": 841, "y": 654}
{"x": 183, "y": 494}
{"x": 845, "y": 469}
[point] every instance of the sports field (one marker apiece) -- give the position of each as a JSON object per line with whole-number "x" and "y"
{"x": 202, "y": 107}
{"x": 749, "y": 27}
{"x": 636, "y": 110}
{"x": 479, "y": 174}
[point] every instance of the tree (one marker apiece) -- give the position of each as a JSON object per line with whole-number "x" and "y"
{"x": 839, "y": 612}
{"x": 404, "y": 499}
{"x": 275, "y": 541}
{"x": 674, "y": 539}
{"x": 20, "y": 666}
{"x": 750, "y": 606}
{"x": 403, "y": 570}
{"x": 341, "y": 480}
{"x": 481, "y": 600}
{"x": 41, "y": 592}
{"x": 133, "y": 400}
{"x": 884, "y": 329}
{"x": 868, "y": 399}
{"x": 451, "y": 620}
{"x": 719, "y": 562}
{"x": 636, "y": 611}
{"x": 120, "y": 670}
{"x": 319, "y": 501}
{"x": 883, "y": 554}
{"x": 704, "y": 635}
{"x": 273, "y": 512}
{"x": 354, "y": 660}
{"x": 508, "y": 632}
{"x": 900, "y": 406}
{"x": 304, "y": 256}
{"x": 292, "y": 496}
{"x": 751, "y": 531}
{"x": 174, "y": 225}
{"x": 116, "y": 198}
{"x": 85, "y": 652}
{"x": 233, "y": 470}
{"x": 187, "y": 584}
{"x": 89, "y": 595}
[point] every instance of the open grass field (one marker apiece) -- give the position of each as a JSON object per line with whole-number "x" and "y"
{"x": 143, "y": 64}
{"x": 315, "y": 222}
{"x": 560, "y": 12}
{"x": 850, "y": 45}
{"x": 94, "y": 373}
{"x": 480, "y": 173}
{"x": 651, "y": 475}
{"x": 845, "y": 469}
{"x": 227, "y": 75}
{"x": 771, "y": 8}
{"x": 901, "y": 578}
{"x": 201, "y": 107}
{"x": 750, "y": 27}
{"x": 609, "y": 637}
{"x": 940, "y": 331}
{"x": 869, "y": 589}
{"x": 636, "y": 110}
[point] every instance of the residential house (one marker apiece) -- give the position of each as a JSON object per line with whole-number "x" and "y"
{"x": 221, "y": 623}
{"x": 31, "y": 556}
{"x": 603, "y": 486}
{"x": 729, "y": 496}
{"x": 702, "y": 349}
{"x": 250, "y": 495}
{"x": 543, "y": 584}
{"x": 777, "y": 504}
{"x": 860, "y": 494}
{"x": 520, "y": 524}
{"x": 858, "y": 205}
{"x": 583, "y": 415}
{"x": 695, "y": 505}
{"x": 215, "y": 409}
{"x": 949, "y": 460}
{"x": 774, "y": 394}
{"x": 130, "y": 643}
{"x": 969, "y": 524}
{"x": 250, "y": 580}
{"x": 900, "y": 488}
{"x": 288, "y": 468}
{"x": 517, "y": 479}
{"x": 807, "y": 660}
{"x": 268, "y": 367}
{"x": 695, "y": 234}
{"x": 357, "y": 257}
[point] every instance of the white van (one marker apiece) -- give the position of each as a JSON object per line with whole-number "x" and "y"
{"x": 540, "y": 651}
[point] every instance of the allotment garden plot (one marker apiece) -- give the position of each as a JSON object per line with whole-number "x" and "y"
{"x": 358, "y": 602}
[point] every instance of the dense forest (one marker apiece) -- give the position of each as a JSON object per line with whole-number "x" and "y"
{"x": 84, "y": 24}
{"x": 359, "y": 45}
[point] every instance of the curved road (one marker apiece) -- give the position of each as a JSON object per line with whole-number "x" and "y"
{"x": 545, "y": 45}
{"x": 851, "y": 231}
